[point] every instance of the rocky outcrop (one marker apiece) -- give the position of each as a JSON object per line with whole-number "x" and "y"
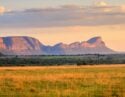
{"x": 93, "y": 46}
{"x": 20, "y": 45}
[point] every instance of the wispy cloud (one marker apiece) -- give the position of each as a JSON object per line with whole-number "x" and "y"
{"x": 67, "y": 15}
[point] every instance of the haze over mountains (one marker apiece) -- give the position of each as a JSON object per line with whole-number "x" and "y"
{"x": 23, "y": 45}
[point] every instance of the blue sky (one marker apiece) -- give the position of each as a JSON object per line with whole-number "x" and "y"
{"x": 27, "y": 4}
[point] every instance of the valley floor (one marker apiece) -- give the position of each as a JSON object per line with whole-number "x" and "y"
{"x": 63, "y": 81}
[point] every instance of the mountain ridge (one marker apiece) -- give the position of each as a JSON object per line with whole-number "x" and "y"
{"x": 24, "y": 45}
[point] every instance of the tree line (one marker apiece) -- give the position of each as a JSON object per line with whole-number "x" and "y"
{"x": 95, "y": 59}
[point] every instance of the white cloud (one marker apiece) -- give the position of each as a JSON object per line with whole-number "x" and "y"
{"x": 64, "y": 16}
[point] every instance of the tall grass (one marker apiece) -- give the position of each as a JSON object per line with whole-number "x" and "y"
{"x": 63, "y": 81}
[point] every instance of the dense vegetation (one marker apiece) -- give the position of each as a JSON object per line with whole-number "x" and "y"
{"x": 62, "y": 60}
{"x": 63, "y": 81}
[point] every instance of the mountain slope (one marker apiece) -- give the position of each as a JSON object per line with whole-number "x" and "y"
{"x": 92, "y": 46}
{"x": 22, "y": 45}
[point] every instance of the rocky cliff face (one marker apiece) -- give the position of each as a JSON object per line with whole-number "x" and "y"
{"x": 30, "y": 46}
{"x": 20, "y": 45}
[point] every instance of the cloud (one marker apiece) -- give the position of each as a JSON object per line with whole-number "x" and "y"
{"x": 101, "y": 4}
{"x": 2, "y": 9}
{"x": 68, "y": 15}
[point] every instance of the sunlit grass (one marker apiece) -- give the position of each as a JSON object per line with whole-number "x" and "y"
{"x": 63, "y": 81}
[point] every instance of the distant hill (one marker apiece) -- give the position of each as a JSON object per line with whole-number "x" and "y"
{"x": 20, "y": 45}
{"x": 23, "y": 45}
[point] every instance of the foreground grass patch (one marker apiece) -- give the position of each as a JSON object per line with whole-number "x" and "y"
{"x": 65, "y": 81}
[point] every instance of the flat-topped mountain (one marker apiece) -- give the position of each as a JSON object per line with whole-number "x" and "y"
{"x": 20, "y": 45}
{"x": 23, "y": 45}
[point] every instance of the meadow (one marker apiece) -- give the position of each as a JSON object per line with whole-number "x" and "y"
{"x": 63, "y": 81}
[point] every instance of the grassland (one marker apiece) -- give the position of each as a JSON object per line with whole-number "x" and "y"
{"x": 63, "y": 81}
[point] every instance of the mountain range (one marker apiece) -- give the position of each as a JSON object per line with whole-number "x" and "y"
{"x": 23, "y": 45}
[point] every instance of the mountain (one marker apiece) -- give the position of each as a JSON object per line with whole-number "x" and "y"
{"x": 93, "y": 46}
{"x": 22, "y": 45}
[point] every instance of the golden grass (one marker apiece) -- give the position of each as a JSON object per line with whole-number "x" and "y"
{"x": 64, "y": 81}
{"x": 60, "y": 67}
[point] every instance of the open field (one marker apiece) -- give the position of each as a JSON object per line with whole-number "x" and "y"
{"x": 63, "y": 81}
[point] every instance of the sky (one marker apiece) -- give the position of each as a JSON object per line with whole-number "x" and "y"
{"x": 53, "y": 21}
